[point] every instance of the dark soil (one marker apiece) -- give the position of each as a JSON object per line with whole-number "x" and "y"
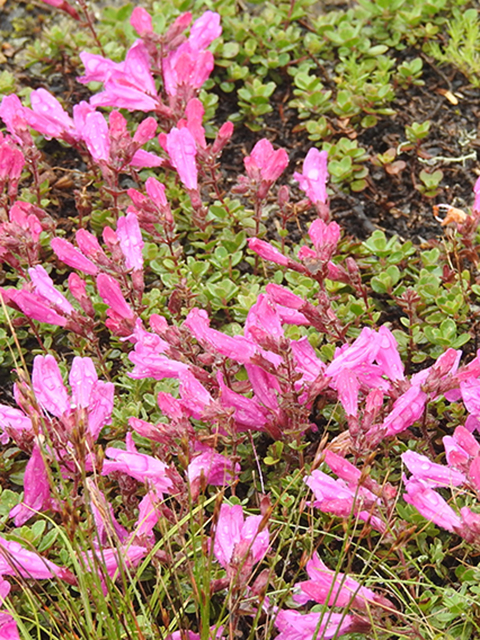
{"x": 391, "y": 203}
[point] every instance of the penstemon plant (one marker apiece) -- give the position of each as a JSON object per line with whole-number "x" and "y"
{"x": 203, "y": 476}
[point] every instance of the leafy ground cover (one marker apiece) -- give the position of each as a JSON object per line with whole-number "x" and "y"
{"x": 240, "y": 292}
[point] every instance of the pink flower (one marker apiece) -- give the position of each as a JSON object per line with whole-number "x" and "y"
{"x": 347, "y": 385}
{"x": 19, "y": 237}
{"x": 195, "y": 398}
{"x": 362, "y": 350}
{"x": 48, "y": 117}
{"x": 28, "y": 223}
{"x": 98, "y": 68}
{"x": 205, "y": 30}
{"x": 352, "y": 366}
{"x": 12, "y": 113}
{"x": 8, "y": 627}
{"x": 64, "y": 6}
{"x": 223, "y": 136}
{"x": 89, "y": 393}
{"x": 148, "y": 515}
{"x": 283, "y": 297}
{"x": 13, "y": 421}
{"x": 432, "y": 506}
{"x": 335, "y": 496}
{"x": 66, "y": 252}
{"x": 15, "y": 560}
{"x": 194, "y": 113}
{"x": 12, "y": 162}
{"x": 406, "y": 410}
{"x": 470, "y": 390}
{"x": 215, "y": 469}
{"x": 78, "y": 289}
{"x": 92, "y": 394}
{"x": 296, "y": 626}
{"x": 185, "y": 634}
{"x": 307, "y": 361}
{"x": 188, "y": 67}
{"x": 387, "y": 355}
{"x": 182, "y": 150}
{"x": 106, "y": 524}
{"x": 145, "y": 131}
{"x": 325, "y": 238}
{"x": 36, "y": 490}
{"x": 248, "y": 412}
{"x": 476, "y": 191}
{"x": 430, "y": 473}
{"x": 314, "y": 176}
{"x": 268, "y": 252}
{"x": 265, "y": 386}
{"x": 33, "y": 306}
{"x": 151, "y": 363}
{"x": 107, "y": 560}
{"x": 128, "y": 85}
{"x": 48, "y": 386}
{"x": 111, "y": 145}
{"x": 355, "y": 478}
{"x": 121, "y": 318}
{"x": 186, "y": 70}
{"x": 153, "y": 209}
{"x": 90, "y": 247}
{"x": 335, "y": 588}
{"x": 238, "y": 543}
{"x": 264, "y": 165}
{"x": 461, "y": 448}
{"x": 43, "y": 285}
{"x": 471, "y": 525}
{"x": 142, "y": 467}
{"x": 141, "y": 21}
{"x": 237, "y": 348}
{"x": 131, "y": 242}
{"x": 156, "y": 191}
{"x": 95, "y": 135}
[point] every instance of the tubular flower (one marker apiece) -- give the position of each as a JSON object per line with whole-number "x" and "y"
{"x": 336, "y": 589}
{"x": 142, "y": 467}
{"x": 238, "y": 543}
{"x": 187, "y": 67}
{"x": 36, "y": 495}
{"x": 264, "y": 165}
{"x": 111, "y": 145}
{"x": 335, "y": 496}
{"x": 182, "y": 150}
{"x": 296, "y": 626}
{"x": 314, "y": 176}
{"x": 127, "y": 85}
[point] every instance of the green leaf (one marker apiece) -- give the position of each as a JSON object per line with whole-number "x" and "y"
{"x": 230, "y": 49}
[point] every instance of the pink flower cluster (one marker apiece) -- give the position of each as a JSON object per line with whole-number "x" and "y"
{"x": 19, "y": 237}
{"x": 40, "y": 300}
{"x": 87, "y": 408}
{"x": 316, "y": 262}
{"x": 461, "y": 472}
{"x": 130, "y": 84}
